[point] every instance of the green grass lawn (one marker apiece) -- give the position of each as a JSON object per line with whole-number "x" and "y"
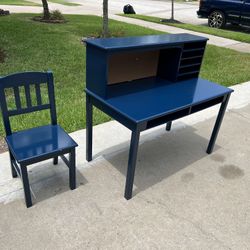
{"x": 18, "y": 2}
{"x": 64, "y": 2}
{"x": 38, "y": 46}
{"x": 235, "y": 35}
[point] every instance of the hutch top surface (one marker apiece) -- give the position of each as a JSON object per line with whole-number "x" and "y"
{"x": 144, "y": 41}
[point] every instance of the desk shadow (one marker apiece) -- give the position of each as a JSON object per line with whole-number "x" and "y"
{"x": 48, "y": 180}
{"x": 160, "y": 156}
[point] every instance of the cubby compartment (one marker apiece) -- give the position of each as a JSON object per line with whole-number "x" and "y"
{"x": 206, "y": 104}
{"x": 189, "y": 69}
{"x": 170, "y": 117}
{"x": 192, "y": 53}
{"x": 188, "y": 75}
{"x": 196, "y": 45}
{"x": 190, "y": 61}
{"x": 130, "y": 66}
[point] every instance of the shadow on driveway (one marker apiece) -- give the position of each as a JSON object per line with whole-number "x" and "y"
{"x": 162, "y": 156}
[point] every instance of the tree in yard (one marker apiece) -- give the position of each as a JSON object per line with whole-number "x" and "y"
{"x": 105, "y": 21}
{"x": 172, "y": 14}
{"x": 46, "y": 13}
{"x": 172, "y": 10}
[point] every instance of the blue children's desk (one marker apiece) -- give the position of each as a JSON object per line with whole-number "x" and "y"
{"x": 146, "y": 81}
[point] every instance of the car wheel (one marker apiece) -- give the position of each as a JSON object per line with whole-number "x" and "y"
{"x": 216, "y": 19}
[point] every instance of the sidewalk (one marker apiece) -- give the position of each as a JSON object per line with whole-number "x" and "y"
{"x": 214, "y": 40}
{"x": 183, "y": 198}
{"x": 91, "y": 8}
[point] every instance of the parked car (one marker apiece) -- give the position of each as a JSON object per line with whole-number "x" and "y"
{"x": 220, "y": 12}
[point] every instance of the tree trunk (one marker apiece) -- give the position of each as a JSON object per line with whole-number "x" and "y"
{"x": 172, "y": 12}
{"x": 105, "y": 22}
{"x": 46, "y": 14}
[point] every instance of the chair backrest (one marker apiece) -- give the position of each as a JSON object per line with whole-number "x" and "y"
{"x": 26, "y": 80}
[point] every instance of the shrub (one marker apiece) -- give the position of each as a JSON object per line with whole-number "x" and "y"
{"x": 56, "y": 15}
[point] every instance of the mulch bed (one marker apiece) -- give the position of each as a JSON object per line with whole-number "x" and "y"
{"x": 40, "y": 19}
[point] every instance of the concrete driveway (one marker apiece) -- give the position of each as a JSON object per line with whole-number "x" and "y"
{"x": 185, "y": 12}
{"x": 183, "y": 198}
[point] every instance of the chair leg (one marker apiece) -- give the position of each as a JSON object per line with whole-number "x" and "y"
{"x": 13, "y": 170}
{"x": 26, "y": 186}
{"x": 72, "y": 169}
{"x": 55, "y": 160}
{"x": 168, "y": 126}
{"x": 217, "y": 124}
{"x": 89, "y": 128}
{"x": 132, "y": 163}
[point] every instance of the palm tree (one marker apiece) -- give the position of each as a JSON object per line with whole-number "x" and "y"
{"x": 105, "y": 21}
{"x": 46, "y": 13}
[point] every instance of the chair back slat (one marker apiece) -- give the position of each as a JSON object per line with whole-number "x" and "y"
{"x": 27, "y": 94}
{"x": 28, "y": 110}
{"x": 38, "y": 94}
{"x": 17, "y": 98}
{"x": 20, "y": 80}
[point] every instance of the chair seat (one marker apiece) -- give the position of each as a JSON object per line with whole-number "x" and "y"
{"x": 39, "y": 142}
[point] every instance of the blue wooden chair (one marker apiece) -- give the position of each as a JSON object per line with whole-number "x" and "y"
{"x": 36, "y": 144}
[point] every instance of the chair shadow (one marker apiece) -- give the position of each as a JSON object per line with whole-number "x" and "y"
{"x": 48, "y": 180}
{"x": 160, "y": 155}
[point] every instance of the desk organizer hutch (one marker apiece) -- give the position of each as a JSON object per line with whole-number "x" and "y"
{"x": 146, "y": 81}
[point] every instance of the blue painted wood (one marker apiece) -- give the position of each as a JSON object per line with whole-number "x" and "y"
{"x": 38, "y": 94}
{"x": 96, "y": 70}
{"x": 27, "y": 94}
{"x": 52, "y": 100}
{"x": 218, "y": 124}
{"x": 26, "y": 186}
{"x": 158, "y": 97}
{"x": 134, "y": 143}
{"x": 140, "y": 42}
{"x": 21, "y": 111}
{"x": 173, "y": 91}
{"x": 149, "y": 100}
{"x": 179, "y": 57}
{"x": 89, "y": 128}
{"x": 37, "y": 144}
{"x": 26, "y": 79}
{"x": 17, "y": 98}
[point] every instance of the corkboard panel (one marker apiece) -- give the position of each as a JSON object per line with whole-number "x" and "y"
{"x": 130, "y": 66}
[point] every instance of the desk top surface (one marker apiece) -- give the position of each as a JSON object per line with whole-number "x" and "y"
{"x": 150, "y": 98}
{"x": 143, "y": 41}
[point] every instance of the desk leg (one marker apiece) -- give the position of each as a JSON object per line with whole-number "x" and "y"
{"x": 132, "y": 163}
{"x": 89, "y": 128}
{"x": 217, "y": 124}
{"x": 168, "y": 126}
